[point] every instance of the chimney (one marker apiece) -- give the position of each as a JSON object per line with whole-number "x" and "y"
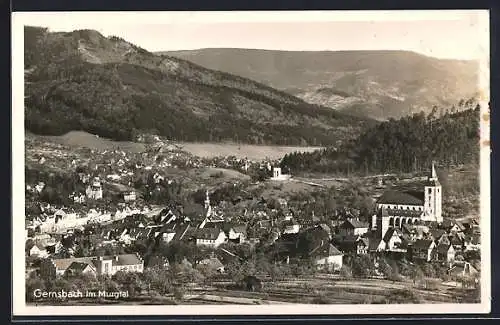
{"x": 100, "y": 258}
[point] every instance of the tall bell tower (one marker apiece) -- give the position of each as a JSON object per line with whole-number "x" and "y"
{"x": 433, "y": 198}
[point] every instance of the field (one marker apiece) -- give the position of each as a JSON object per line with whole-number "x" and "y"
{"x": 317, "y": 289}
{"x": 328, "y": 289}
{"x": 205, "y": 150}
{"x": 254, "y": 152}
{"x": 84, "y": 139}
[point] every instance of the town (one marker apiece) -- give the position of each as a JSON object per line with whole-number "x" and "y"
{"x": 165, "y": 225}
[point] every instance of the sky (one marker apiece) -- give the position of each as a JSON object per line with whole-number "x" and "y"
{"x": 443, "y": 34}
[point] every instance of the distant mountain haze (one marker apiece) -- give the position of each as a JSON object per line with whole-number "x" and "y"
{"x": 82, "y": 80}
{"x": 376, "y": 84}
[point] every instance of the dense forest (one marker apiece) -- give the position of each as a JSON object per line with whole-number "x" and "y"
{"x": 405, "y": 145}
{"x": 106, "y": 86}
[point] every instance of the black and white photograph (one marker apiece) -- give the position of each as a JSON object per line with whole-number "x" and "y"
{"x": 319, "y": 162}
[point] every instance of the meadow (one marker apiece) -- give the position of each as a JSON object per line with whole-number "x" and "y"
{"x": 204, "y": 150}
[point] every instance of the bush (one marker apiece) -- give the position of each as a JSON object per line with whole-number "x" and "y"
{"x": 322, "y": 299}
{"x": 345, "y": 272}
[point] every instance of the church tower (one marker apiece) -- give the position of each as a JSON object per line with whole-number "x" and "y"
{"x": 208, "y": 207}
{"x": 433, "y": 198}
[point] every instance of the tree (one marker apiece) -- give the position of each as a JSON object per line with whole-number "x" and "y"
{"x": 362, "y": 266}
{"x": 33, "y": 284}
{"x": 345, "y": 272}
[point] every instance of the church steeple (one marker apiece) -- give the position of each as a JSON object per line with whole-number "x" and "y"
{"x": 207, "y": 200}
{"x": 208, "y": 207}
{"x": 434, "y": 176}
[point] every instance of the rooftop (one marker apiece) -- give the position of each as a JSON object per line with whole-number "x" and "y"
{"x": 398, "y": 197}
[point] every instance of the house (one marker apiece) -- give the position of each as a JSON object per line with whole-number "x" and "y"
{"x": 422, "y": 249}
{"x": 78, "y": 268}
{"x": 291, "y": 227}
{"x": 168, "y": 234}
{"x": 353, "y": 227}
{"x": 237, "y": 233}
{"x": 472, "y": 243}
{"x": 352, "y": 244}
{"x": 327, "y": 256}
{"x": 278, "y": 176}
{"x": 393, "y": 240}
{"x": 456, "y": 227}
{"x": 167, "y": 215}
{"x": 94, "y": 190}
{"x": 437, "y": 235}
{"x": 36, "y": 249}
{"x": 50, "y": 268}
{"x": 129, "y": 196}
{"x": 414, "y": 232}
{"x": 212, "y": 237}
{"x": 444, "y": 253}
{"x": 458, "y": 241}
{"x": 212, "y": 263}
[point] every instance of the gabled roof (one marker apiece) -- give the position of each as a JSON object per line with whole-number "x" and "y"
{"x": 354, "y": 223}
{"x": 64, "y": 263}
{"x": 124, "y": 259}
{"x": 437, "y": 233}
{"x": 325, "y": 249}
{"x": 459, "y": 225}
{"x": 422, "y": 243}
{"x": 404, "y": 213}
{"x": 391, "y": 232}
{"x": 207, "y": 233}
{"x": 397, "y": 197}
{"x": 181, "y": 232}
{"x": 443, "y": 248}
{"x": 78, "y": 267}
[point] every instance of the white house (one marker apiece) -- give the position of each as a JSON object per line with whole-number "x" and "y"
{"x": 102, "y": 264}
{"x": 212, "y": 237}
{"x": 327, "y": 256}
{"x": 353, "y": 227}
{"x": 94, "y": 190}
{"x": 278, "y": 176}
{"x": 129, "y": 196}
{"x": 38, "y": 250}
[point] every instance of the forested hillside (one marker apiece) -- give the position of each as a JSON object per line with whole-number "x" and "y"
{"x": 404, "y": 145}
{"x": 82, "y": 80}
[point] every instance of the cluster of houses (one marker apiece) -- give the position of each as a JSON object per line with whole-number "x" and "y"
{"x": 406, "y": 225}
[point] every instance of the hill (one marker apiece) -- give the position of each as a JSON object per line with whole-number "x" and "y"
{"x": 107, "y": 86}
{"x": 409, "y": 144}
{"x": 378, "y": 84}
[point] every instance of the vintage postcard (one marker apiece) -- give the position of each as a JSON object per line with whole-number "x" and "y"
{"x": 321, "y": 162}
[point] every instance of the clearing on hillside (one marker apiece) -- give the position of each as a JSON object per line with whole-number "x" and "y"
{"x": 204, "y": 150}
{"x": 91, "y": 141}
{"x": 254, "y": 152}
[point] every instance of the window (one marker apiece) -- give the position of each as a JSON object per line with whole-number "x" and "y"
{"x": 430, "y": 191}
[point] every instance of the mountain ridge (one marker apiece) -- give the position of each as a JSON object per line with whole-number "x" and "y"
{"x": 380, "y": 84}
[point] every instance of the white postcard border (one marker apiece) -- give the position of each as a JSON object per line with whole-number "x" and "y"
{"x": 18, "y": 185}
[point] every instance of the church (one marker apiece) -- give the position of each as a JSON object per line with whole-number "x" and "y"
{"x": 395, "y": 208}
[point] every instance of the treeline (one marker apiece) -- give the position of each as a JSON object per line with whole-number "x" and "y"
{"x": 406, "y": 145}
